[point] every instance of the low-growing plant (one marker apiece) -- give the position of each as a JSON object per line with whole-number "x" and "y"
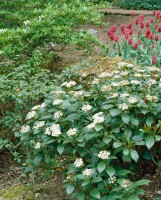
{"x": 143, "y": 45}
{"x": 104, "y": 125}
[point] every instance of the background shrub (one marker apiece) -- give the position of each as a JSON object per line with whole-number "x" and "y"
{"x": 139, "y": 4}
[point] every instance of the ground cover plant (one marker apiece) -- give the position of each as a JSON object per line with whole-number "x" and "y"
{"x": 141, "y": 45}
{"x": 29, "y": 31}
{"x": 119, "y": 127}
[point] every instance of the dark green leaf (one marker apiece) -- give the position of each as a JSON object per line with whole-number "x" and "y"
{"x": 95, "y": 193}
{"x": 149, "y": 141}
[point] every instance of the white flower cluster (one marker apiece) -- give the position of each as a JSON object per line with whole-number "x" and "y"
{"x": 114, "y": 95}
{"x": 38, "y": 145}
{"x": 153, "y": 69}
{"x": 53, "y": 130}
{"x": 58, "y": 102}
{"x": 124, "y": 95}
{"x": 69, "y": 84}
{"x": 25, "y": 129}
{"x": 125, "y": 184}
{"x": 123, "y": 83}
{"x": 116, "y": 76}
{"x": 76, "y": 93}
{"x": 86, "y": 107}
{"x": 78, "y": 162}
{"x": 58, "y": 114}
{"x": 31, "y": 115}
{"x": 124, "y": 73}
{"x": 135, "y": 82}
{"x": 151, "y": 98}
{"x": 97, "y": 118}
{"x": 105, "y": 88}
{"x": 43, "y": 105}
{"x": 123, "y": 106}
{"x": 90, "y": 126}
{"x": 58, "y": 92}
{"x": 114, "y": 84}
{"x": 151, "y": 82}
{"x": 87, "y": 172}
{"x": 124, "y": 64}
{"x": 27, "y": 22}
{"x": 132, "y": 100}
{"x": 112, "y": 180}
{"x": 39, "y": 125}
{"x": 36, "y": 107}
{"x": 95, "y": 81}
{"x": 104, "y": 155}
{"x": 105, "y": 74}
{"x": 72, "y": 131}
{"x": 138, "y": 75}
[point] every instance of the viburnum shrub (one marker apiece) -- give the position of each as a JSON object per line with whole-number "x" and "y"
{"x": 104, "y": 126}
{"x": 141, "y": 45}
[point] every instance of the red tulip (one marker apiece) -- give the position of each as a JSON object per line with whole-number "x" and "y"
{"x": 132, "y": 14}
{"x": 147, "y": 24}
{"x": 151, "y": 20}
{"x": 111, "y": 37}
{"x": 154, "y": 60}
{"x": 152, "y": 46}
{"x": 130, "y": 41}
{"x": 141, "y": 25}
{"x": 151, "y": 36}
{"x": 154, "y": 13}
{"x": 113, "y": 29}
{"x": 139, "y": 31}
{"x": 159, "y": 29}
{"x": 136, "y": 21}
{"x": 156, "y": 26}
{"x": 116, "y": 38}
{"x": 135, "y": 45}
{"x": 156, "y": 37}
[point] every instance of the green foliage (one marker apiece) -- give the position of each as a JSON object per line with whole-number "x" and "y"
{"x": 139, "y": 4}
{"x": 29, "y": 31}
{"x": 101, "y": 124}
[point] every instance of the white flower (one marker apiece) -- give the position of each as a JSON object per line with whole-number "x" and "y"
{"x": 72, "y": 131}
{"x": 129, "y": 65}
{"x": 140, "y": 70}
{"x": 124, "y": 73}
{"x": 151, "y": 82}
{"x": 132, "y": 100}
{"x": 123, "y": 106}
{"x": 38, "y": 145}
{"x": 87, "y": 172}
{"x": 58, "y": 92}
{"x": 105, "y": 88}
{"x": 124, "y": 83}
{"x": 114, "y": 95}
{"x": 39, "y": 125}
{"x": 31, "y": 115}
{"x": 154, "y": 69}
{"x": 124, "y": 95}
{"x": 105, "y": 74}
{"x": 86, "y": 107}
{"x": 53, "y": 130}
{"x": 125, "y": 184}
{"x": 114, "y": 84}
{"x": 58, "y": 102}
{"x": 116, "y": 76}
{"x": 104, "y": 155}
{"x": 151, "y": 98}
{"x": 112, "y": 179}
{"x": 122, "y": 64}
{"x": 58, "y": 114}
{"x": 69, "y": 84}
{"x": 138, "y": 75}
{"x": 47, "y": 131}
{"x": 25, "y": 129}
{"x": 95, "y": 81}
{"x": 36, "y": 107}
{"x": 78, "y": 162}
{"x": 90, "y": 126}
{"x": 76, "y": 93}
{"x": 97, "y": 118}
{"x": 135, "y": 82}
{"x": 43, "y": 105}
{"x": 116, "y": 72}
